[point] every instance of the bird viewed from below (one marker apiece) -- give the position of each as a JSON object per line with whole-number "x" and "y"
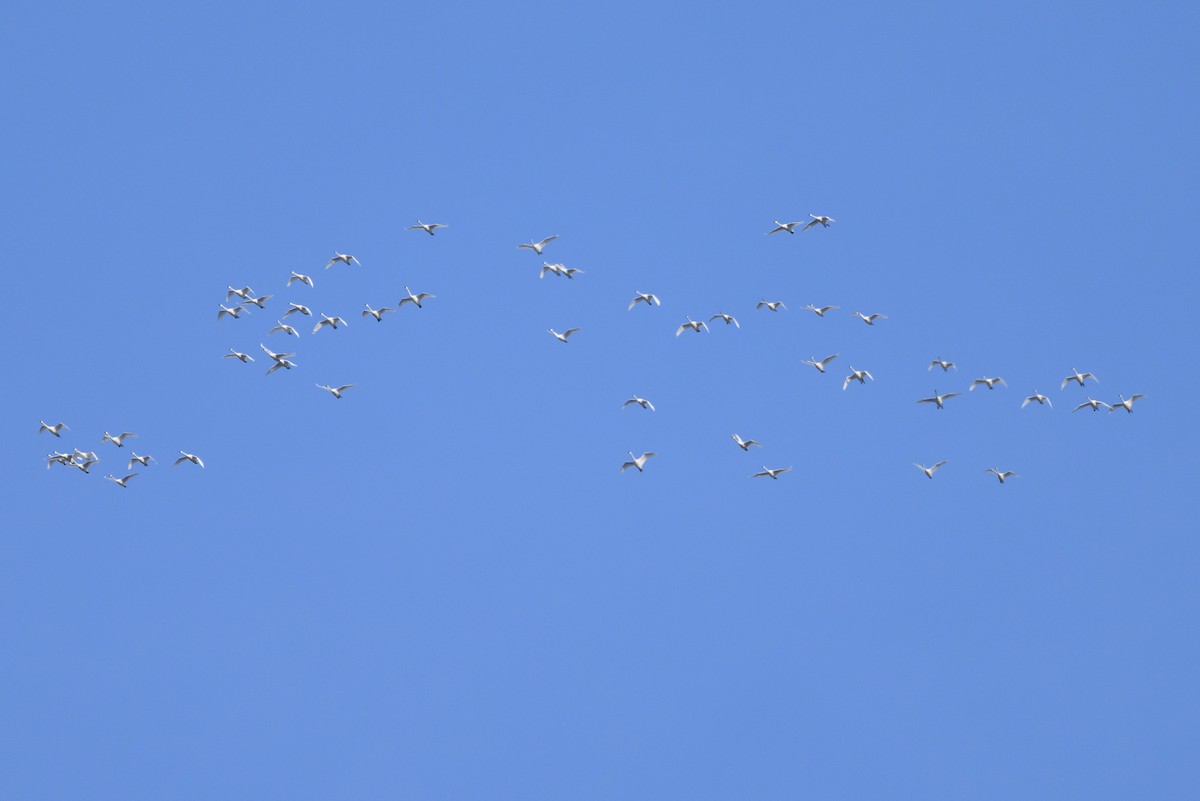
{"x": 820, "y": 365}
{"x": 83, "y": 466}
{"x": 745, "y": 444}
{"x": 692, "y": 324}
{"x": 1037, "y": 398}
{"x": 243, "y": 293}
{"x": 537, "y": 247}
{"x": 789, "y": 227}
{"x": 637, "y": 461}
{"x": 1094, "y": 405}
{"x": 768, "y": 472}
{"x": 645, "y": 404}
{"x": 819, "y": 220}
{"x": 869, "y": 319}
{"x": 120, "y": 482}
{"x": 644, "y": 297}
{"x": 929, "y": 471}
{"x": 821, "y": 311}
{"x": 188, "y": 457}
{"x": 860, "y": 376}
{"x": 118, "y": 440}
{"x": 242, "y": 357}
{"x": 297, "y": 308}
{"x": 990, "y": 383}
{"x": 945, "y": 365}
{"x": 326, "y": 320}
{"x": 564, "y": 335}
{"x": 1125, "y": 403}
{"x": 1078, "y": 377}
{"x": 729, "y": 319}
{"x": 773, "y": 305}
{"x": 259, "y": 302}
{"x": 415, "y": 299}
{"x": 285, "y": 328}
{"x": 344, "y": 258}
{"x": 1002, "y": 476}
{"x": 304, "y": 279}
{"x": 280, "y": 359}
{"x": 377, "y": 313}
{"x": 144, "y": 461}
{"x": 428, "y": 228}
{"x": 55, "y": 429}
{"x": 335, "y": 391}
{"x": 226, "y": 311}
{"x": 937, "y": 399}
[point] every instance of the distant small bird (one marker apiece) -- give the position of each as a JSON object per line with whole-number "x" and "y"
{"x": 945, "y": 365}
{"x": 1125, "y": 403}
{"x": 745, "y": 444}
{"x": 335, "y": 391}
{"x": 55, "y": 457}
{"x": 789, "y": 227}
{"x": 818, "y": 220}
{"x": 118, "y": 440}
{"x": 729, "y": 319}
{"x": 990, "y": 383}
{"x": 537, "y": 247}
{"x": 377, "y": 313}
{"x": 326, "y": 320}
{"x": 242, "y": 357}
{"x": 569, "y": 272}
{"x": 860, "y": 376}
{"x": 869, "y": 319}
{"x": 234, "y": 312}
{"x": 414, "y": 298}
{"x": 821, "y": 311}
{"x": 644, "y": 297}
{"x": 1094, "y": 405}
{"x": 1001, "y": 476}
{"x": 188, "y": 457}
{"x": 86, "y": 455}
{"x": 83, "y": 465}
{"x": 259, "y": 301}
{"x": 121, "y": 482}
{"x": 547, "y": 267}
{"x": 54, "y": 429}
{"x": 929, "y": 471}
{"x": 144, "y": 461}
{"x": 344, "y": 258}
{"x": 284, "y": 327}
{"x": 773, "y": 305}
{"x": 428, "y": 228}
{"x": 692, "y": 324}
{"x": 242, "y": 293}
{"x": 637, "y": 461}
{"x": 304, "y": 279}
{"x": 820, "y": 365}
{"x": 1037, "y": 398}
{"x": 1078, "y": 378}
{"x": 645, "y": 404}
{"x": 296, "y": 308}
{"x": 937, "y": 399}
{"x": 280, "y": 359}
{"x": 769, "y": 473}
{"x": 564, "y": 335}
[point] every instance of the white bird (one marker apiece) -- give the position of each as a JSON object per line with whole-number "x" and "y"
{"x": 296, "y": 308}
{"x": 769, "y": 473}
{"x": 547, "y": 267}
{"x": 58, "y": 458}
{"x": 645, "y": 404}
{"x": 1038, "y": 398}
{"x": 937, "y": 399}
{"x": 929, "y": 471}
{"x": 259, "y": 301}
{"x": 537, "y": 247}
{"x": 414, "y": 298}
{"x": 637, "y": 461}
{"x": 820, "y": 312}
{"x": 990, "y": 383}
{"x": 242, "y": 357}
{"x": 869, "y": 319}
{"x": 335, "y": 391}
{"x": 569, "y": 272}
{"x": 692, "y": 324}
{"x": 120, "y": 481}
{"x": 83, "y": 465}
{"x": 1001, "y": 476}
{"x": 1125, "y": 403}
{"x": 822, "y": 220}
{"x": 942, "y": 363}
{"x": 644, "y": 297}
{"x": 225, "y": 310}
{"x": 564, "y": 335}
{"x": 54, "y": 429}
{"x": 87, "y": 455}
{"x": 729, "y": 319}
{"x": 345, "y": 258}
{"x": 428, "y": 228}
{"x": 188, "y": 457}
{"x": 117, "y": 440}
{"x": 280, "y": 359}
{"x": 1094, "y": 405}
{"x": 745, "y": 444}
{"x": 860, "y": 376}
{"x": 242, "y": 293}
{"x": 144, "y": 461}
{"x": 285, "y": 328}
{"x": 789, "y": 227}
{"x": 332, "y": 322}
{"x": 773, "y": 305}
{"x": 1078, "y": 378}
{"x": 377, "y": 313}
{"x": 304, "y": 279}
{"x": 820, "y": 365}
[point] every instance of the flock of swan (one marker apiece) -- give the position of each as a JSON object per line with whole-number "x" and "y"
{"x": 247, "y": 298}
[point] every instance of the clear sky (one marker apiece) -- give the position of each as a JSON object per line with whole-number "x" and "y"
{"x": 441, "y": 586}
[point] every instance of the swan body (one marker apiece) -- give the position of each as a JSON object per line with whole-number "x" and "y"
{"x": 637, "y": 461}
{"x": 537, "y": 247}
{"x": 929, "y": 471}
{"x": 644, "y": 297}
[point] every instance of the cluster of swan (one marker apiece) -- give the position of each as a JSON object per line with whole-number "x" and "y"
{"x": 83, "y": 460}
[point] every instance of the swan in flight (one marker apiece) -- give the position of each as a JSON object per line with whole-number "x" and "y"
{"x": 83, "y": 465}
{"x": 285, "y": 328}
{"x": 1001, "y": 476}
{"x": 645, "y": 404}
{"x": 942, "y": 363}
{"x": 243, "y": 293}
{"x": 121, "y": 482}
{"x": 869, "y": 319}
{"x": 537, "y": 247}
{"x": 188, "y": 457}
{"x": 769, "y": 473}
{"x": 937, "y": 399}
{"x": 1078, "y": 378}
{"x": 728, "y": 318}
{"x": 789, "y": 227}
{"x": 118, "y": 440}
{"x": 644, "y": 297}
{"x": 820, "y": 312}
{"x": 929, "y": 471}
{"x": 58, "y": 458}
{"x": 1125, "y": 403}
{"x": 818, "y": 220}
{"x": 280, "y": 359}
{"x": 54, "y": 429}
{"x": 259, "y": 301}
{"x": 332, "y": 322}
{"x": 860, "y": 376}
{"x": 990, "y": 383}
{"x": 304, "y": 279}
{"x": 242, "y": 357}
{"x": 88, "y": 455}
{"x": 637, "y": 461}
{"x": 377, "y": 313}
{"x": 820, "y": 365}
{"x": 745, "y": 444}
{"x": 234, "y": 312}
{"x": 428, "y": 228}
{"x": 1094, "y": 405}
{"x": 144, "y": 461}
{"x": 344, "y": 258}
{"x": 1037, "y": 398}
{"x": 692, "y": 324}
{"x": 335, "y": 391}
{"x": 547, "y": 267}
{"x": 414, "y": 298}
{"x": 564, "y": 335}
{"x": 773, "y": 305}
{"x": 296, "y": 308}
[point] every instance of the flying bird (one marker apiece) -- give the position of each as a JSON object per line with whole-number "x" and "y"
{"x": 428, "y": 228}
{"x": 58, "y": 458}
{"x": 332, "y": 322}
{"x": 1078, "y": 378}
{"x": 937, "y": 399}
{"x": 644, "y": 297}
{"x": 121, "y": 482}
{"x": 692, "y": 324}
{"x": 564, "y": 335}
{"x": 637, "y": 461}
{"x": 284, "y": 327}
{"x": 729, "y": 319}
{"x": 1001, "y": 476}
{"x": 234, "y": 312}
{"x": 929, "y": 471}
{"x": 144, "y": 461}
{"x": 296, "y": 308}
{"x": 821, "y": 311}
{"x": 821, "y": 220}
{"x": 280, "y": 359}
{"x": 377, "y": 313}
{"x": 243, "y": 293}
{"x": 414, "y": 298}
{"x": 769, "y": 473}
{"x": 83, "y": 465}
{"x": 945, "y": 365}
{"x": 345, "y": 258}
{"x": 820, "y": 365}
{"x": 869, "y": 319}
{"x": 259, "y": 301}
{"x": 1037, "y": 398}
{"x": 860, "y": 376}
{"x": 118, "y": 439}
{"x": 645, "y": 404}
{"x": 54, "y": 429}
{"x": 773, "y": 305}
{"x": 537, "y": 247}
{"x": 304, "y": 279}
{"x": 242, "y": 357}
{"x": 789, "y": 227}
{"x": 1125, "y": 403}
{"x": 1094, "y": 405}
{"x": 335, "y": 391}
{"x": 188, "y": 457}
{"x": 990, "y": 383}
{"x": 745, "y": 444}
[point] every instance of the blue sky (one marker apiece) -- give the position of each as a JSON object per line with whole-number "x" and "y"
{"x": 441, "y": 586}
